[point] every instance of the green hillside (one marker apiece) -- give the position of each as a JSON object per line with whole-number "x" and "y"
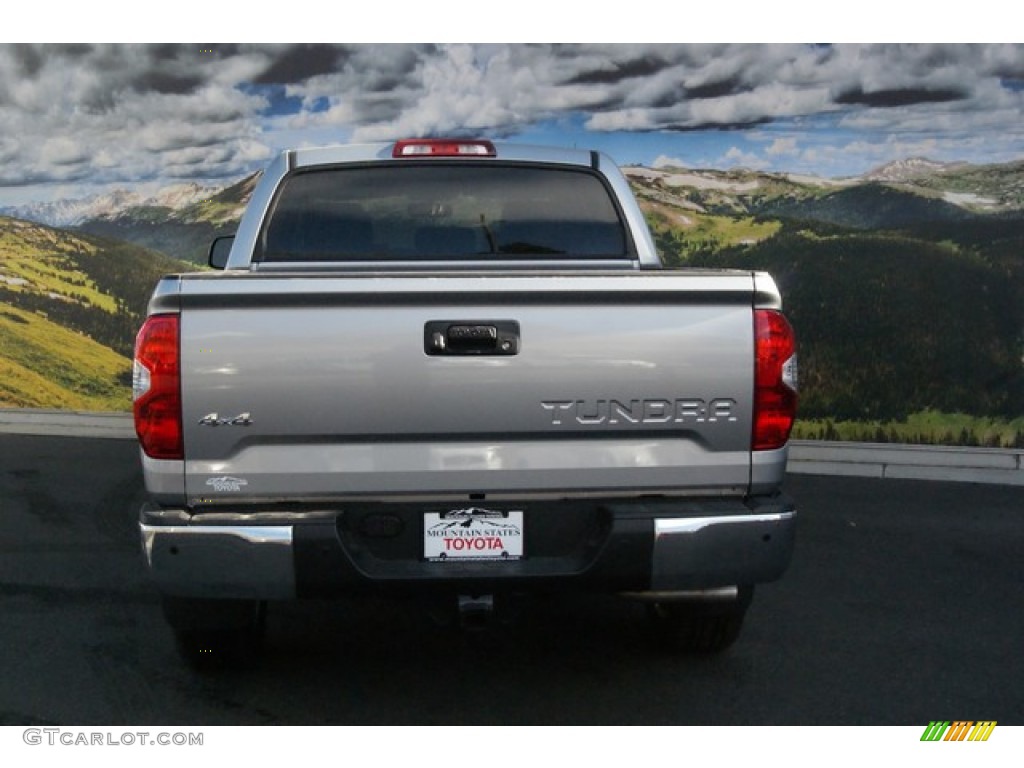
{"x": 890, "y": 326}
{"x": 69, "y": 308}
{"x": 901, "y": 340}
{"x": 679, "y": 233}
{"x": 866, "y": 206}
{"x": 44, "y": 365}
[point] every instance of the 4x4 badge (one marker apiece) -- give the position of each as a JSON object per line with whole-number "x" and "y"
{"x": 214, "y": 420}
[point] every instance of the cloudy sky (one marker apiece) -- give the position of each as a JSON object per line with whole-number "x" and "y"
{"x": 75, "y": 118}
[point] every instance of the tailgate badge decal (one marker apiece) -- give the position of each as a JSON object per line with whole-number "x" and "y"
{"x": 226, "y": 484}
{"x": 214, "y": 420}
{"x": 691, "y": 410}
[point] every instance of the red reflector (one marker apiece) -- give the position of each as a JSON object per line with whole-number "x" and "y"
{"x": 156, "y": 388}
{"x": 444, "y": 148}
{"x": 775, "y": 382}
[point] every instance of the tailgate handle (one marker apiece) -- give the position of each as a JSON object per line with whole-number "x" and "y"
{"x": 459, "y": 337}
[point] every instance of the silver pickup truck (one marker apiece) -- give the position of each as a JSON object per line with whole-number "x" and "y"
{"x": 458, "y": 369}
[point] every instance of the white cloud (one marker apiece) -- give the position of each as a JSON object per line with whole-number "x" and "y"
{"x": 782, "y": 147}
{"x": 125, "y": 113}
{"x": 737, "y": 158}
{"x": 664, "y": 161}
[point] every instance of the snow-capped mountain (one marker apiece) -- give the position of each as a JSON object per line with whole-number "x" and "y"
{"x": 108, "y": 205}
{"x": 908, "y": 170}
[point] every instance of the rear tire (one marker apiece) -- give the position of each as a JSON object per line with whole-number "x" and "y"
{"x": 217, "y": 634}
{"x": 700, "y": 627}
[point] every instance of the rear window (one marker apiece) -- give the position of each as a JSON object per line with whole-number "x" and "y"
{"x": 442, "y": 211}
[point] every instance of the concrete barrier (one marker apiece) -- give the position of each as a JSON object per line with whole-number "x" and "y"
{"x": 908, "y": 462}
{"x": 812, "y": 457}
{"x": 31, "y": 421}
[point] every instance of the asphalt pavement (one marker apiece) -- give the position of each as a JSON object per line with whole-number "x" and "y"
{"x": 904, "y": 604}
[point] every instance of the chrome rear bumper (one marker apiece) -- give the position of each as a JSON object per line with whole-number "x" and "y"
{"x": 706, "y": 552}
{"x": 691, "y": 550}
{"x": 221, "y": 560}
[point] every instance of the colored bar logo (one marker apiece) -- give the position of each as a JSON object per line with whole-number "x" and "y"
{"x": 959, "y": 730}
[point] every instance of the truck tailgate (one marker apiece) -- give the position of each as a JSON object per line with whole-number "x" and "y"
{"x": 326, "y": 386}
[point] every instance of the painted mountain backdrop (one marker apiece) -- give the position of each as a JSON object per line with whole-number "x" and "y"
{"x": 906, "y": 285}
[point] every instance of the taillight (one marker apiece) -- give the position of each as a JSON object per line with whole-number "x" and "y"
{"x": 444, "y": 148}
{"x": 156, "y": 388}
{"x": 775, "y": 382}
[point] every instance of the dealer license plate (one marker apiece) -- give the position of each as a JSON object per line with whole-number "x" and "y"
{"x": 473, "y": 534}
